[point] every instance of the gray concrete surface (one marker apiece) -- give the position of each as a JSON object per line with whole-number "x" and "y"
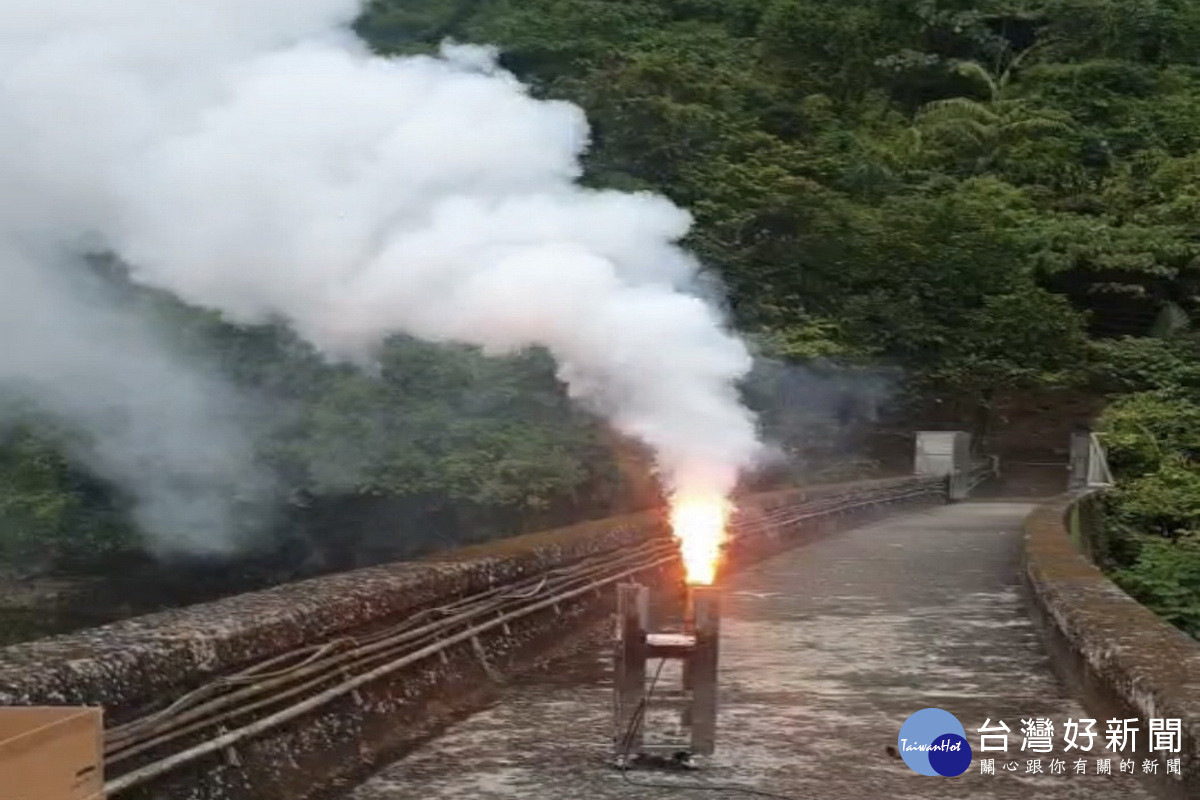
{"x": 827, "y": 649}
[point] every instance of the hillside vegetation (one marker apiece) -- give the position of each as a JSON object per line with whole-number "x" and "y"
{"x": 986, "y": 197}
{"x": 996, "y": 196}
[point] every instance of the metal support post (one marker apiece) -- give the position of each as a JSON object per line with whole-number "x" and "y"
{"x": 703, "y": 662}
{"x": 629, "y": 662}
{"x": 689, "y": 626}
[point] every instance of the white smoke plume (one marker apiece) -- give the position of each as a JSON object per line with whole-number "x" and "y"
{"x": 145, "y": 418}
{"x": 252, "y": 156}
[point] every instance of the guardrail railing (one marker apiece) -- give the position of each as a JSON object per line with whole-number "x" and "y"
{"x": 982, "y": 469}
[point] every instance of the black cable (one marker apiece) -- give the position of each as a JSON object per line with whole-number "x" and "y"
{"x": 627, "y": 743}
{"x": 638, "y": 714}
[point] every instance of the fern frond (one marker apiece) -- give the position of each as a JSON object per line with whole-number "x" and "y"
{"x": 958, "y": 108}
{"x": 1036, "y": 125}
{"x": 976, "y": 133}
{"x": 1171, "y": 320}
{"x": 976, "y": 71}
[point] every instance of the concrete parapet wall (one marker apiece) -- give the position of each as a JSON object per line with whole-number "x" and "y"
{"x": 769, "y": 501}
{"x": 864, "y": 501}
{"x": 139, "y": 664}
{"x": 128, "y": 663}
{"x": 1121, "y": 653}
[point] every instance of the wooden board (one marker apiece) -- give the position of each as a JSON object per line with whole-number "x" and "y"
{"x": 51, "y": 753}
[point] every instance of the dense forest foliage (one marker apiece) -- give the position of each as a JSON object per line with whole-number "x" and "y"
{"x": 1152, "y": 517}
{"x": 998, "y": 196}
{"x": 986, "y": 197}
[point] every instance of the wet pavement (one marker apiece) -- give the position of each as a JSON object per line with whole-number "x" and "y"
{"x": 826, "y": 650}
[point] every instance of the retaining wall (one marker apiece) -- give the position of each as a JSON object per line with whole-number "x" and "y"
{"x": 1124, "y": 658}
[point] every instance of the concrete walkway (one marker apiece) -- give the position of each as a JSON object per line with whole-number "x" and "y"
{"x": 826, "y": 650}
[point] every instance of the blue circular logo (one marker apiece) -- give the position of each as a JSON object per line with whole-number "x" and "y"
{"x": 934, "y": 742}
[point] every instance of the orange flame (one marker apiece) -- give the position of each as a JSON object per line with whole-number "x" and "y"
{"x": 699, "y": 525}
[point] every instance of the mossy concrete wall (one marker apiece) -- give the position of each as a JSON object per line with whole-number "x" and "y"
{"x": 127, "y": 664}
{"x": 1122, "y": 656}
{"x": 135, "y": 665}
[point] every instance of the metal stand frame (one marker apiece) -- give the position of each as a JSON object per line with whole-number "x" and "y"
{"x": 697, "y": 647}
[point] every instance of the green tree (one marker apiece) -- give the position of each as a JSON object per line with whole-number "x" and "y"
{"x": 990, "y": 133}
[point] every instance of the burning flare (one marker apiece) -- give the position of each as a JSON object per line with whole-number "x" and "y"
{"x": 699, "y": 525}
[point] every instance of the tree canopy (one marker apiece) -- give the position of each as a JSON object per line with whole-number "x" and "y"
{"x": 984, "y": 197}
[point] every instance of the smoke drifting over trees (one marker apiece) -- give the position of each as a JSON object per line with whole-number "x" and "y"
{"x": 142, "y": 416}
{"x": 253, "y": 157}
